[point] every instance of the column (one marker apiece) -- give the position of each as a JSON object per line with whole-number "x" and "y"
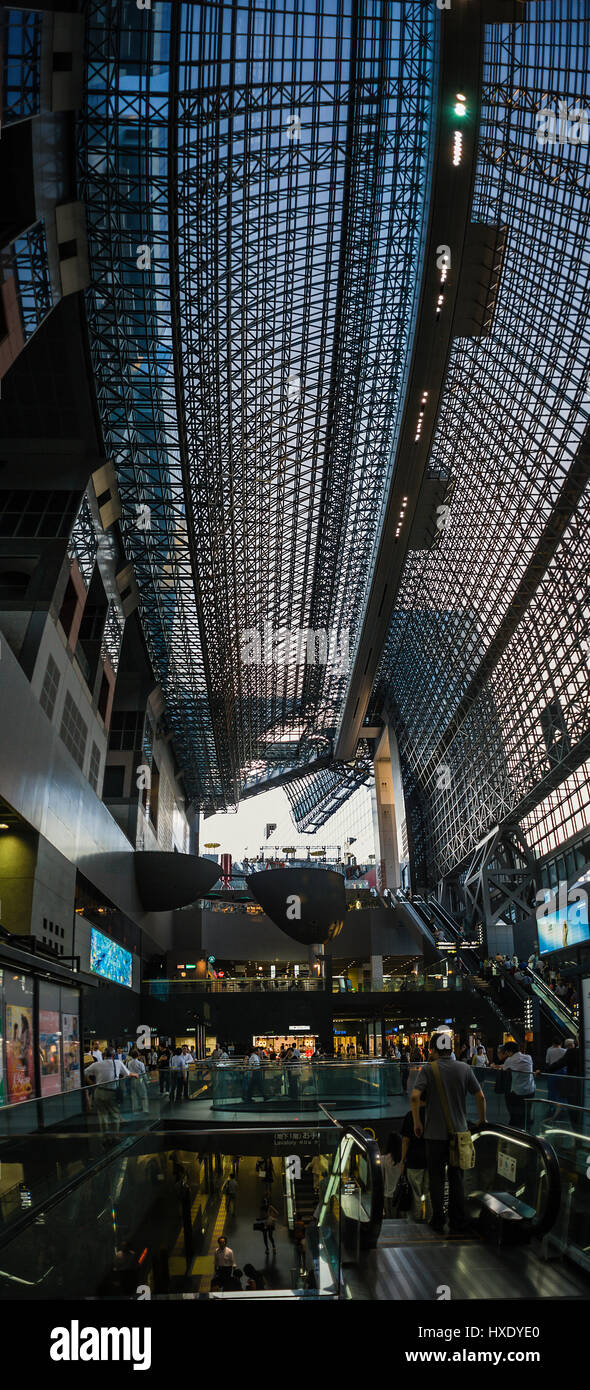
{"x": 388, "y": 854}
{"x": 377, "y": 972}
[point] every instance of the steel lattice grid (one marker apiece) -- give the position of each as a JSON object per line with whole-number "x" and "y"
{"x": 265, "y": 283}
{"x": 509, "y": 435}
{"x": 124, "y": 181}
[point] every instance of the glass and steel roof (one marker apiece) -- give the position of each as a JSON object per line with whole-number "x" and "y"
{"x": 256, "y": 179}
{"x": 486, "y": 665}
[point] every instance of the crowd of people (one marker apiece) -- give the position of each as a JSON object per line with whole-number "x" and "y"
{"x": 496, "y": 967}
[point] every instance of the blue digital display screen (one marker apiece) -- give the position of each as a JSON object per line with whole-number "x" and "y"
{"x": 564, "y": 926}
{"x": 109, "y": 959}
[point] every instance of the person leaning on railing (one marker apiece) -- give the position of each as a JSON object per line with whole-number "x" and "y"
{"x": 105, "y": 1075}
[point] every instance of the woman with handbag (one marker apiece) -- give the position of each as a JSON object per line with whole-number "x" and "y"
{"x": 266, "y": 1224}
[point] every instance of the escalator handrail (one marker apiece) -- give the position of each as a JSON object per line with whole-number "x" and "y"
{"x": 550, "y": 1159}
{"x": 552, "y": 1000}
{"x": 419, "y": 920}
{"x": 546, "y": 998}
{"x": 373, "y": 1152}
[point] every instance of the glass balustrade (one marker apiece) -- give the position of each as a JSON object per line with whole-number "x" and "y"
{"x": 143, "y": 1220}
{"x": 391, "y": 984}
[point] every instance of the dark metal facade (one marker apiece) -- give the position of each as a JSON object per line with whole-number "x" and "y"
{"x": 274, "y": 158}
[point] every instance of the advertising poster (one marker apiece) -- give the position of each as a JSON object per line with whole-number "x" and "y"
{"x": 71, "y": 1048}
{"x": 49, "y": 1052}
{"x": 566, "y": 925}
{"x": 109, "y": 959}
{"x": 19, "y": 1053}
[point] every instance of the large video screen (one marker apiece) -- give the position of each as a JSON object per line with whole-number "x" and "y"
{"x": 109, "y": 959}
{"x": 563, "y": 926}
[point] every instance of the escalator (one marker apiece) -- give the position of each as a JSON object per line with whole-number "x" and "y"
{"x": 514, "y": 1198}
{"x": 554, "y": 1013}
{"x": 552, "y": 1007}
{"x": 469, "y": 964}
{"x": 420, "y": 927}
{"x": 507, "y": 998}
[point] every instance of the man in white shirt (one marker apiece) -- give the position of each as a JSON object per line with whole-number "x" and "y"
{"x": 255, "y": 1074}
{"x": 522, "y": 1082}
{"x": 106, "y": 1100}
{"x": 96, "y": 1054}
{"x": 554, "y": 1053}
{"x": 224, "y": 1263}
{"x": 139, "y": 1090}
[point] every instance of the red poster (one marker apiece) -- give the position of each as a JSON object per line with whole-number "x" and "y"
{"x": 19, "y": 1053}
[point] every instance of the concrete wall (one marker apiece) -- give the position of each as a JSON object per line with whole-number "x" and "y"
{"x": 41, "y": 781}
{"x": 53, "y": 896}
{"x": 18, "y": 855}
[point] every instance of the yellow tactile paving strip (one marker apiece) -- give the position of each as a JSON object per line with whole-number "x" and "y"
{"x": 204, "y": 1265}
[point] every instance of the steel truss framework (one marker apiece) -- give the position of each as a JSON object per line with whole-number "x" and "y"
{"x": 498, "y": 713}
{"x": 275, "y": 161}
{"x": 20, "y": 47}
{"x": 314, "y": 798}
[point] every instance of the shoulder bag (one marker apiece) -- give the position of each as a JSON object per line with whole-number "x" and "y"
{"x": 401, "y": 1201}
{"x": 461, "y": 1146}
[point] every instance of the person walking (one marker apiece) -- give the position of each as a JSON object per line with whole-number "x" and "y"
{"x": 177, "y": 1071}
{"x": 269, "y": 1217}
{"x": 163, "y": 1064}
{"x": 224, "y": 1263}
{"x": 231, "y": 1195}
{"x": 444, "y": 1084}
{"x": 106, "y": 1100}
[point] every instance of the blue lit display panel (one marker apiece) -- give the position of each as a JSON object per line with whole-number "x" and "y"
{"x": 109, "y": 959}
{"x": 561, "y": 927}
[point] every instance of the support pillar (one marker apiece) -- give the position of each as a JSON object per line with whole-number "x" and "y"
{"x": 377, "y": 973}
{"x": 388, "y": 851}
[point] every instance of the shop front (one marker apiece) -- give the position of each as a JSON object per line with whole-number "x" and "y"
{"x": 274, "y": 1042}
{"x": 39, "y": 1030}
